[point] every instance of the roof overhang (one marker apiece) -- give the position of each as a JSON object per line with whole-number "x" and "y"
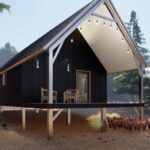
{"x": 110, "y": 41}
{"x": 115, "y": 54}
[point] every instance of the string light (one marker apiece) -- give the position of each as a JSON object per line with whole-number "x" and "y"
{"x": 97, "y": 21}
{"x": 128, "y": 51}
{"x": 80, "y": 28}
{"x": 117, "y": 29}
{"x": 110, "y": 26}
{"x": 68, "y": 67}
{"x": 104, "y": 24}
{"x": 72, "y": 40}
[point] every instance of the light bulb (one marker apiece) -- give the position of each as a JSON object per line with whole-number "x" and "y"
{"x": 110, "y": 26}
{"x": 37, "y": 64}
{"x": 68, "y": 68}
{"x": 117, "y": 29}
{"x": 72, "y": 40}
{"x": 104, "y": 24}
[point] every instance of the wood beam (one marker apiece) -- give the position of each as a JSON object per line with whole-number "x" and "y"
{"x": 57, "y": 114}
{"x": 22, "y": 61}
{"x": 50, "y": 122}
{"x": 57, "y": 51}
{"x": 69, "y": 116}
{"x": 23, "y": 118}
{"x": 141, "y": 99}
{"x": 71, "y": 105}
{"x": 103, "y": 17}
{"x": 50, "y": 94}
{"x": 37, "y": 110}
{"x": 1, "y": 109}
{"x": 103, "y": 118}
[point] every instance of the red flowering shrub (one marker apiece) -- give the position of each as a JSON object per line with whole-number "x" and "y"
{"x": 128, "y": 123}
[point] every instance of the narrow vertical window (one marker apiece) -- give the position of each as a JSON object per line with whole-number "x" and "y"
{"x": 4, "y": 79}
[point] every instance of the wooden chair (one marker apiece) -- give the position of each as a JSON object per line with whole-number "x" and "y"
{"x": 81, "y": 98}
{"x": 73, "y": 95}
{"x": 44, "y": 96}
{"x": 69, "y": 95}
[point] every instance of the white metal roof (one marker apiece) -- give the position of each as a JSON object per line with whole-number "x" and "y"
{"x": 107, "y": 42}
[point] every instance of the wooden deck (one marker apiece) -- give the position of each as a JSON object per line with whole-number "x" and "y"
{"x": 71, "y": 105}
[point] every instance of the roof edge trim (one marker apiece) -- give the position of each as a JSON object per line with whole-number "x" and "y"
{"x": 125, "y": 32}
{"x": 62, "y": 35}
{"x": 35, "y": 54}
{"x": 73, "y": 25}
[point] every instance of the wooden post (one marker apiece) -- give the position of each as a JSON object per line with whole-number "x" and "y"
{"x": 50, "y": 94}
{"x": 69, "y": 116}
{"x": 103, "y": 118}
{"x": 37, "y": 110}
{"x": 1, "y": 109}
{"x": 50, "y": 122}
{"x": 141, "y": 99}
{"x": 141, "y": 112}
{"x": 23, "y": 118}
{"x": 51, "y": 60}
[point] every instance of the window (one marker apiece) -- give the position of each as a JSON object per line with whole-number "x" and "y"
{"x": 4, "y": 79}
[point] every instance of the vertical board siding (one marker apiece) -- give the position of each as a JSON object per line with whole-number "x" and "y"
{"x": 25, "y": 82}
{"x": 80, "y": 57}
{"x": 10, "y": 94}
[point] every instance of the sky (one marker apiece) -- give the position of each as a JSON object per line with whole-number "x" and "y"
{"x": 30, "y": 19}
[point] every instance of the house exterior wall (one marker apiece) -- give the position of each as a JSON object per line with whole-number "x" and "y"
{"x": 10, "y": 94}
{"x": 79, "y": 56}
{"x": 26, "y": 81}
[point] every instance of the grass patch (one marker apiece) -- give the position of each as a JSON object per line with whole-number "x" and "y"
{"x": 95, "y": 120}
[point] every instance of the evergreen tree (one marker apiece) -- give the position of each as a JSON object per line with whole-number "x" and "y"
{"x": 128, "y": 82}
{"x": 136, "y": 33}
{"x": 136, "y": 30}
{"x": 3, "y": 7}
{"x": 6, "y": 53}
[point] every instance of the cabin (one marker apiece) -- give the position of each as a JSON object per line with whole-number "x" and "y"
{"x": 76, "y": 67}
{"x": 68, "y": 66}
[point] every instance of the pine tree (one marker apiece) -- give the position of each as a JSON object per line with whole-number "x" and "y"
{"x": 6, "y": 53}
{"x": 128, "y": 82}
{"x": 135, "y": 31}
{"x": 3, "y": 7}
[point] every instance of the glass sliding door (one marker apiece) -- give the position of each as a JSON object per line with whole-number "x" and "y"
{"x": 83, "y": 85}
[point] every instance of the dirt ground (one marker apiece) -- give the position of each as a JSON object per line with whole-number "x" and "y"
{"x": 78, "y": 136}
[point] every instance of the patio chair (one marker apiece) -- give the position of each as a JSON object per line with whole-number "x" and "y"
{"x": 81, "y": 97}
{"x": 44, "y": 96}
{"x": 69, "y": 95}
{"x": 74, "y": 95}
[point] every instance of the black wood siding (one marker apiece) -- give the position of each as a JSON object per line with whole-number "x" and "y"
{"x": 10, "y": 94}
{"x": 80, "y": 57}
{"x": 25, "y": 82}
{"x": 34, "y": 78}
